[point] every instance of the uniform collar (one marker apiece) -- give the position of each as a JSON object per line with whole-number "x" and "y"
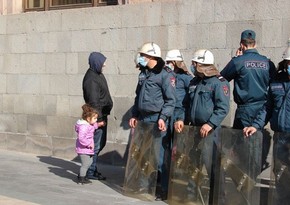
{"x": 252, "y": 50}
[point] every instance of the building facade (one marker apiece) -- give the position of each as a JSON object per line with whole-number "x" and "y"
{"x": 19, "y": 6}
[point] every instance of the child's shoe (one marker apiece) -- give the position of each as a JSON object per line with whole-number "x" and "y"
{"x": 83, "y": 180}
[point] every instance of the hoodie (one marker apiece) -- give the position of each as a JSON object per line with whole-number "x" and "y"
{"x": 96, "y": 61}
{"x": 85, "y": 138}
{"x": 95, "y": 88}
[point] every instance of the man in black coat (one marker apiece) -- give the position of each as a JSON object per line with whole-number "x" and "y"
{"x": 97, "y": 94}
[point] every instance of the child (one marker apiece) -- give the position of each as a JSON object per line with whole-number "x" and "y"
{"x": 85, "y": 129}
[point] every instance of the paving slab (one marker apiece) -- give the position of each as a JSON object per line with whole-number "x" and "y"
{"x": 29, "y": 179}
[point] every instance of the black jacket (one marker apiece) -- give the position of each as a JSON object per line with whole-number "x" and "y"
{"x": 95, "y": 87}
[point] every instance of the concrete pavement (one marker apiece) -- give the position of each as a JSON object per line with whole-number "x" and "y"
{"x": 27, "y": 179}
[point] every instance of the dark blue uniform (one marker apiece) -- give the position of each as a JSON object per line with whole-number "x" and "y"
{"x": 250, "y": 73}
{"x": 277, "y": 111}
{"x": 155, "y": 93}
{"x": 279, "y": 96}
{"x": 182, "y": 84}
{"x": 155, "y": 99}
{"x": 209, "y": 101}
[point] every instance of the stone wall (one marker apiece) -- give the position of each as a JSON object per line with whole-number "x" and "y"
{"x": 43, "y": 57}
{"x": 10, "y": 7}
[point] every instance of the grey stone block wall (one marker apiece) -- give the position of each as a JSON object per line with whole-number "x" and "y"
{"x": 43, "y": 57}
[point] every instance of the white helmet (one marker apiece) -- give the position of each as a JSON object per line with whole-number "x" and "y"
{"x": 203, "y": 56}
{"x": 151, "y": 49}
{"x": 174, "y": 55}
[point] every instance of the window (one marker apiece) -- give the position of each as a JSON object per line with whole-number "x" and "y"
{"x": 38, "y": 5}
{"x": 69, "y": 2}
{"x": 34, "y": 4}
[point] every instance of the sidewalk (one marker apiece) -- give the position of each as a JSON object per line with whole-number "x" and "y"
{"x": 29, "y": 179}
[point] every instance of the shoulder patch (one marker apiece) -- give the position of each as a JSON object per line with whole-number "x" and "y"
{"x": 167, "y": 69}
{"x": 226, "y": 90}
{"x": 172, "y": 81}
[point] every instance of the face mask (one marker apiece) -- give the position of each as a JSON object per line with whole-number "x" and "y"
{"x": 170, "y": 66}
{"x": 192, "y": 69}
{"x": 288, "y": 69}
{"x": 142, "y": 61}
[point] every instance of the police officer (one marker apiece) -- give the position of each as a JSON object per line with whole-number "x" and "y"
{"x": 154, "y": 102}
{"x": 208, "y": 106}
{"x": 207, "y": 90}
{"x": 175, "y": 61}
{"x": 278, "y": 113}
{"x": 251, "y": 73}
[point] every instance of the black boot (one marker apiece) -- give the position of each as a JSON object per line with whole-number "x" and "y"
{"x": 99, "y": 176}
{"x": 160, "y": 194}
{"x": 96, "y": 176}
{"x": 83, "y": 180}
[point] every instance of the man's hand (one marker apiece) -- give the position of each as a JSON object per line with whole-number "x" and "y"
{"x": 161, "y": 125}
{"x": 239, "y": 52}
{"x": 205, "y": 130}
{"x": 178, "y": 126}
{"x": 101, "y": 124}
{"x": 249, "y": 131}
{"x": 133, "y": 122}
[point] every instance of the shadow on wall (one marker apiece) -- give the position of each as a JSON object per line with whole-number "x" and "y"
{"x": 114, "y": 156}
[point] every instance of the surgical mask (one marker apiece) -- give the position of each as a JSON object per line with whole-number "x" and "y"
{"x": 170, "y": 66}
{"x": 142, "y": 61}
{"x": 192, "y": 69}
{"x": 288, "y": 69}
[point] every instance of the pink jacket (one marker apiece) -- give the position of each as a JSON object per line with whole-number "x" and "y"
{"x": 85, "y": 136}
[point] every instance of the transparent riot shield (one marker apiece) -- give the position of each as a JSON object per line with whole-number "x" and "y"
{"x": 279, "y": 192}
{"x": 141, "y": 170}
{"x": 239, "y": 164}
{"x": 189, "y": 184}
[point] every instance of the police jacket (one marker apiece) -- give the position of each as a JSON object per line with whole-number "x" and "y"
{"x": 250, "y": 73}
{"x": 182, "y": 83}
{"x": 95, "y": 87}
{"x": 277, "y": 109}
{"x": 279, "y": 96}
{"x": 209, "y": 100}
{"x": 155, "y": 92}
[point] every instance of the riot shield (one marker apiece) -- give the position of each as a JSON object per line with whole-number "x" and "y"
{"x": 279, "y": 192}
{"x": 220, "y": 169}
{"x": 189, "y": 184}
{"x": 240, "y": 165}
{"x": 141, "y": 170}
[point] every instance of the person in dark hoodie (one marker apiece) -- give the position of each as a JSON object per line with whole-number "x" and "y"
{"x": 154, "y": 102}
{"x": 96, "y": 93}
